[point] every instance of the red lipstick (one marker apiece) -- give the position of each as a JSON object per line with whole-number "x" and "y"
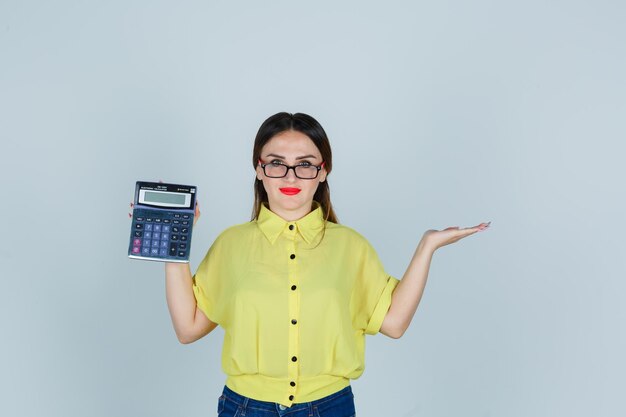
{"x": 290, "y": 191}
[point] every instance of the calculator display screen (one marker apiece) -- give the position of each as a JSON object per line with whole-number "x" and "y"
{"x": 160, "y": 197}
{"x": 165, "y": 199}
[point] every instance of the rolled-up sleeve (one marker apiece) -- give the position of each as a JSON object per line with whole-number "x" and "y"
{"x": 207, "y": 284}
{"x": 372, "y": 291}
{"x": 382, "y": 307}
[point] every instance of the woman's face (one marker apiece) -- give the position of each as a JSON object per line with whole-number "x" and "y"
{"x": 290, "y": 197}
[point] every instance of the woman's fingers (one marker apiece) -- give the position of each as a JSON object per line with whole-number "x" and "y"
{"x": 483, "y": 226}
{"x": 196, "y": 214}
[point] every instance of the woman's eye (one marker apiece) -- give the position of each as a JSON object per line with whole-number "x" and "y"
{"x": 305, "y": 164}
{"x": 276, "y": 163}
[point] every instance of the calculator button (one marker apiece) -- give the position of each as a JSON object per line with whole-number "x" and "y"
{"x": 136, "y": 242}
{"x": 147, "y": 243}
{"x": 185, "y": 216}
{"x": 174, "y": 237}
{"x": 138, "y": 233}
{"x": 147, "y": 235}
{"x": 148, "y": 227}
{"x": 167, "y": 221}
{"x": 181, "y": 253}
{"x": 183, "y": 238}
{"x": 155, "y": 243}
{"x": 176, "y": 221}
{"x": 157, "y": 220}
{"x": 177, "y": 216}
{"x": 185, "y": 223}
{"x": 164, "y": 243}
{"x": 149, "y": 219}
{"x": 182, "y": 246}
{"x": 139, "y": 219}
{"x": 154, "y": 251}
{"x": 184, "y": 230}
{"x": 166, "y": 228}
{"x": 173, "y": 249}
{"x": 145, "y": 251}
{"x": 157, "y": 227}
{"x": 136, "y": 249}
{"x": 163, "y": 252}
{"x": 138, "y": 226}
{"x": 156, "y": 235}
{"x": 165, "y": 236}
{"x": 175, "y": 229}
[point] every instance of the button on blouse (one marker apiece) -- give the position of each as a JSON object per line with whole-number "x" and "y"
{"x": 295, "y": 300}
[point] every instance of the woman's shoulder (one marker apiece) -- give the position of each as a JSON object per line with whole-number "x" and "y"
{"x": 346, "y": 232}
{"x": 236, "y": 231}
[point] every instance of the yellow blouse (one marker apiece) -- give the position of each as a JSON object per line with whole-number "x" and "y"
{"x": 294, "y": 315}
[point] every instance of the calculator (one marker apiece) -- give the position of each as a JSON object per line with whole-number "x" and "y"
{"x": 162, "y": 222}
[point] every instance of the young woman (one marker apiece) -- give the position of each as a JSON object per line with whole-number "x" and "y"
{"x": 295, "y": 291}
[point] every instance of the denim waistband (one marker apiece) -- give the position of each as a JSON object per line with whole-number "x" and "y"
{"x": 247, "y": 402}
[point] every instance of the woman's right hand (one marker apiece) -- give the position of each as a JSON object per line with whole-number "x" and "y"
{"x": 196, "y": 214}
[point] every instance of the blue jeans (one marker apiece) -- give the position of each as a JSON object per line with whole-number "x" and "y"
{"x": 338, "y": 404}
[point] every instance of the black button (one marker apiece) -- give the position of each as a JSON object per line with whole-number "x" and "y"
{"x": 184, "y": 230}
{"x": 140, "y": 219}
{"x": 292, "y": 256}
{"x": 290, "y": 397}
{"x": 149, "y": 219}
{"x": 183, "y": 238}
{"x": 157, "y": 220}
{"x": 294, "y": 321}
{"x": 185, "y": 216}
{"x": 291, "y": 227}
{"x": 293, "y": 359}
{"x": 293, "y": 288}
{"x": 173, "y": 249}
{"x": 174, "y": 237}
{"x": 182, "y": 246}
{"x": 139, "y": 226}
{"x": 293, "y": 384}
{"x": 177, "y": 216}
{"x": 186, "y": 223}
{"x": 181, "y": 253}
{"x": 166, "y": 221}
{"x": 138, "y": 233}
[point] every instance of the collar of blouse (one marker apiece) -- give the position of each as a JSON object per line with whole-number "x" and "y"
{"x": 272, "y": 225}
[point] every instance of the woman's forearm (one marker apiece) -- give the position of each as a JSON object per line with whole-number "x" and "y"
{"x": 408, "y": 292}
{"x": 180, "y": 298}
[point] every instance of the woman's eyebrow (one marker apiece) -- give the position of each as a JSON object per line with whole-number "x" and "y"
{"x": 282, "y": 157}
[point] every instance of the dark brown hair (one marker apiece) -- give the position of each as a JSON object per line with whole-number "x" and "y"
{"x": 303, "y": 123}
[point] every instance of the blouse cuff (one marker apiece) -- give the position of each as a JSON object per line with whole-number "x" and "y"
{"x": 202, "y": 302}
{"x": 381, "y": 309}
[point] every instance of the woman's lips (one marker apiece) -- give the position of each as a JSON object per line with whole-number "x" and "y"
{"x": 289, "y": 191}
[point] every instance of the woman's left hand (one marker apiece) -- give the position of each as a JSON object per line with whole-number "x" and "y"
{"x": 435, "y": 239}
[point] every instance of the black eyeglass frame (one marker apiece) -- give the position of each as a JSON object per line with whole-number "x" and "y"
{"x": 317, "y": 173}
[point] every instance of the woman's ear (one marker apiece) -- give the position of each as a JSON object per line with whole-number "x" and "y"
{"x": 259, "y": 173}
{"x": 323, "y": 174}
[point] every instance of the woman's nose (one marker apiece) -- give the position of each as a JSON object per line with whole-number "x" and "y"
{"x": 291, "y": 175}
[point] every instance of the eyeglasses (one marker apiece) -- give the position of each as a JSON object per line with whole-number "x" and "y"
{"x": 304, "y": 170}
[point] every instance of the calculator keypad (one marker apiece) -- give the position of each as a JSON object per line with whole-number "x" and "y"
{"x": 161, "y": 234}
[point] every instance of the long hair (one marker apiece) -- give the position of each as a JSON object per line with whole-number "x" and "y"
{"x": 303, "y": 123}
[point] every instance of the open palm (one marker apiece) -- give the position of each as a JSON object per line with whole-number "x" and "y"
{"x": 438, "y": 238}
